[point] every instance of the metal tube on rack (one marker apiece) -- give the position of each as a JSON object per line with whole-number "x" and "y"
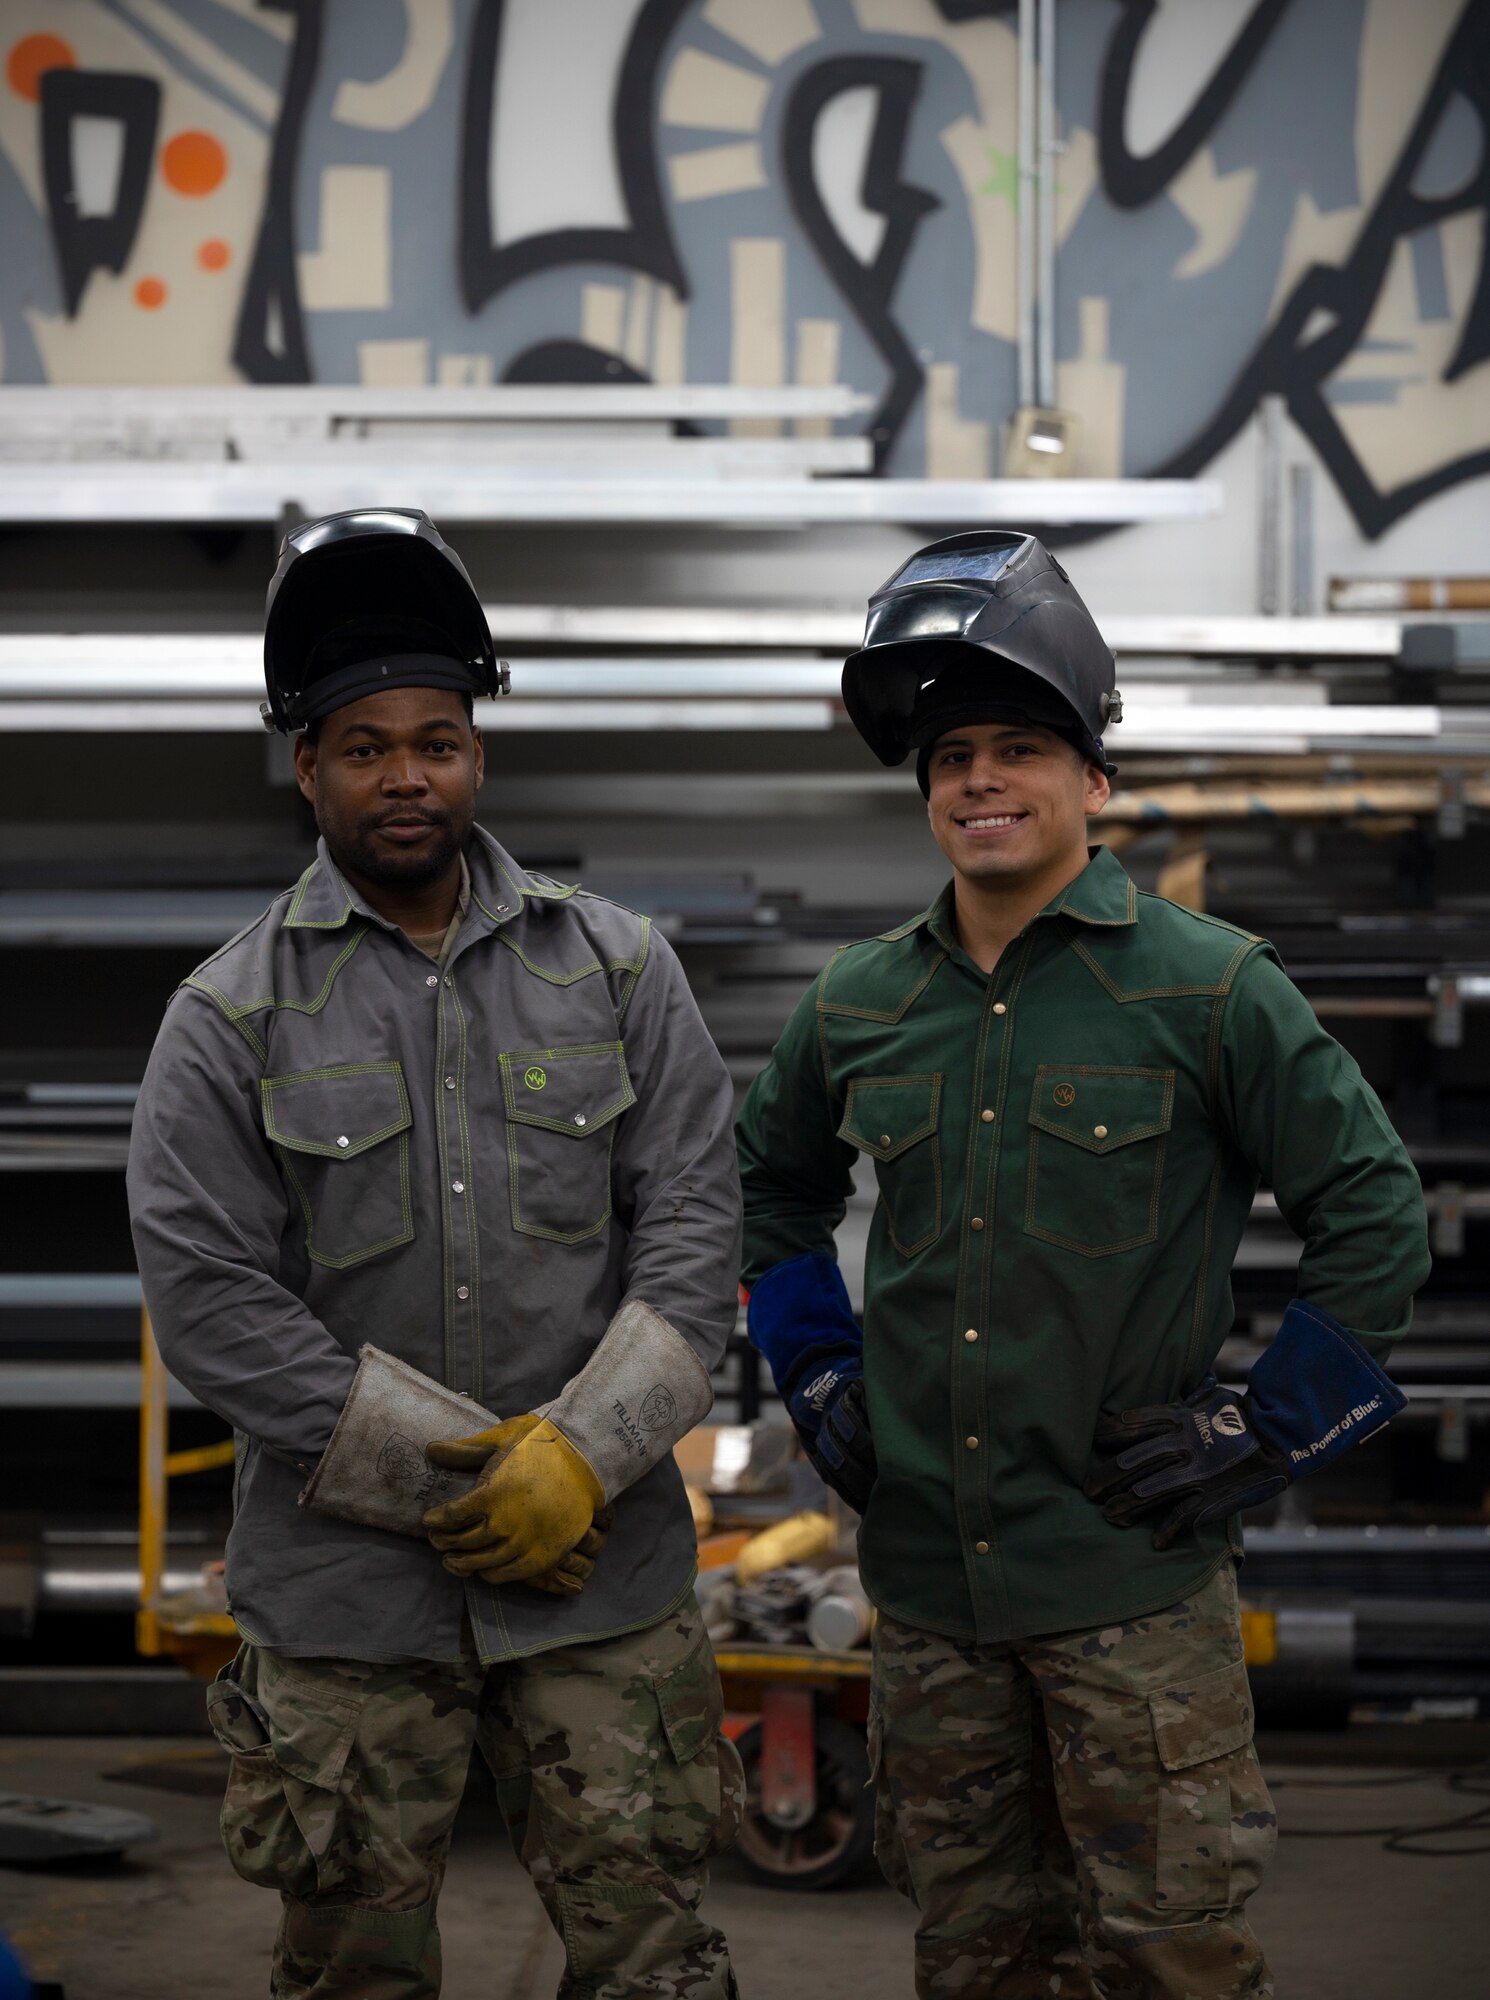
{"x": 1270, "y": 504}
{"x": 1024, "y": 208}
{"x": 1046, "y": 148}
{"x": 1301, "y": 509}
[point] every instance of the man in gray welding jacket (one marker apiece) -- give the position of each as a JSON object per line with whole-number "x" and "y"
{"x": 439, "y": 1107}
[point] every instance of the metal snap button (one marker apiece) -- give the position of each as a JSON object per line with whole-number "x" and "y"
{"x": 987, "y": 1117}
{"x": 458, "y": 1186}
{"x": 981, "y": 1548}
{"x": 999, "y": 1007}
{"x": 972, "y": 1444}
{"x": 1099, "y": 1131}
{"x": 450, "y": 1083}
{"x": 433, "y": 979}
{"x": 579, "y": 1118}
{"x": 884, "y": 1138}
{"x": 976, "y": 1223}
{"x": 463, "y": 1291}
{"x": 971, "y": 1334}
{"x": 344, "y": 1140}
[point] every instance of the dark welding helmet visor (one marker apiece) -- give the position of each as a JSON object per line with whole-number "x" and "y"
{"x": 369, "y": 600}
{"x": 982, "y": 626}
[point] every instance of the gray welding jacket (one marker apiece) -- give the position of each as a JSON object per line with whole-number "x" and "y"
{"x": 469, "y": 1166}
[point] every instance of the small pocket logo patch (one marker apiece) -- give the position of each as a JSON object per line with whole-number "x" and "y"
{"x": 535, "y": 1078}
{"x": 1064, "y": 1095}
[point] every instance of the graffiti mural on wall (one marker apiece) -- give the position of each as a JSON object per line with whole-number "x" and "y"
{"x": 1252, "y": 197}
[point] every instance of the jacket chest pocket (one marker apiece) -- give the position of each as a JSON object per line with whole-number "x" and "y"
{"x": 562, "y": 1106}
{"x": 342, "y": 1135}
{"x": 894, "y": 1120}
{"x": 1097, "y": 1139}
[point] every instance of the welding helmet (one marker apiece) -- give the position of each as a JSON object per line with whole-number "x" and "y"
{"x": 983, "y": 627}
{"x": 369, "y": 600}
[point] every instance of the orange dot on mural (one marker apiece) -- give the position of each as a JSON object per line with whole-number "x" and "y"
{"x": 31, "y": 58}
{"x": 213, "y": 255}
{"x": 193, "y": 162}
{"x": 150, "y": 293}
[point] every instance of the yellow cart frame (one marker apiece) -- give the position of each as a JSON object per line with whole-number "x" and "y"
{"x": 173, "y": 1627}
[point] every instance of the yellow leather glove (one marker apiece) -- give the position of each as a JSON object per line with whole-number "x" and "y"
{"x": 485, "y": 1449}
{"x": 531, "y": 1512}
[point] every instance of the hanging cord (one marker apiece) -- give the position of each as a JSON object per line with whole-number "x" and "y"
{"x": 1472, "y": 1781}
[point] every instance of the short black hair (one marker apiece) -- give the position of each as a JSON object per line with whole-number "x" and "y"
{"x": 313, "y": 727}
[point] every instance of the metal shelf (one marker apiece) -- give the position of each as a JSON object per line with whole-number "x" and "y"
{"x": 797, "y": 631}
{"x": 79, "y": 1385}
{"x": 201, "y": 493}
{"x": 840, "y": 629}
{"x": 139, "y": 417}
{"x": 124, "y": 682}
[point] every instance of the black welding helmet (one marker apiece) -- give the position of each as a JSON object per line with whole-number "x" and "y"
{"x": 983, "y": 627}
{"x": 369, "y": 600}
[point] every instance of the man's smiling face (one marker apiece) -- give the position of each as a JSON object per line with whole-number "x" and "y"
{"x": 1007, "y": 804}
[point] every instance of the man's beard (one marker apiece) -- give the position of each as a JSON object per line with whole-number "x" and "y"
{"x": 360, "y": 855}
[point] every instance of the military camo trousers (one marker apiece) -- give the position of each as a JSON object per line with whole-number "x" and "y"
{"x": 614, "y": 1780}
{"x": 1076, "y": 1816}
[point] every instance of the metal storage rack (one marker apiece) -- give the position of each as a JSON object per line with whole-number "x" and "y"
{"x": 1325, "y": 778}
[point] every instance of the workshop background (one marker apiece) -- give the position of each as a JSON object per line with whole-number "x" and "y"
{"x": 687, "y": 320}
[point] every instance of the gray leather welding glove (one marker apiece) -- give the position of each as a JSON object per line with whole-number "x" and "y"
{"x": 641, "y": 1390}
{"x": 378, "y": 1470}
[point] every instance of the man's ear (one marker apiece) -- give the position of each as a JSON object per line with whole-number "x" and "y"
{"x": 305, "y": 767}
{"x": 480, "y": 749}
{"x": 1098, "y": 790}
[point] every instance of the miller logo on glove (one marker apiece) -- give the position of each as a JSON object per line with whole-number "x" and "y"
{"x": 1314, "y": 1393}
{"x": 800, "y": 1319}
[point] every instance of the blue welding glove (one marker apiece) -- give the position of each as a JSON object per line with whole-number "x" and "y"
{"x": 844, "y": 1452}
{"x": 800, "y": 1319}
{"x": 14, "y": 1985}
{"x": 1315, "y": 1392}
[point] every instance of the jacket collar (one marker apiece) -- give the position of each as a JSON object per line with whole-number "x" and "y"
{"x": 323, "y": 899}
{"x": 1103, "y": 894}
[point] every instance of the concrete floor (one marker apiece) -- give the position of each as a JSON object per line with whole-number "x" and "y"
{"x": 1342, "y": 1919}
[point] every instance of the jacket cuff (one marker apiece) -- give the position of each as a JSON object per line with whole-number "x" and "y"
{"x": 374, "y": 1470}
{"x": 798, "y": 1305}
{"x": 640, "y": 1391}
{"x": 1317, "y": 1390}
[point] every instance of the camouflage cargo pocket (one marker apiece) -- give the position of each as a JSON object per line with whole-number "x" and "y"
{"x": 700, "y": 1783}
{"x": 1203, "y": 1733}
{"x": 258, "y": 1828}
{"x": 888, "y": 1850}
{"x": 292, "y": 1817}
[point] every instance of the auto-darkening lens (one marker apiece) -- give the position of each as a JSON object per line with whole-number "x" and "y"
{"x": 954, "y": 566}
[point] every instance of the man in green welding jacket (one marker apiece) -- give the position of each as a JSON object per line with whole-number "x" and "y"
{"x": 1070, "y": 1092}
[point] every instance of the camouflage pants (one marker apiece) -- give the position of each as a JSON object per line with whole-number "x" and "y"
{"x": 613, "y": 1778}
{"x": 1076, "y": 1816}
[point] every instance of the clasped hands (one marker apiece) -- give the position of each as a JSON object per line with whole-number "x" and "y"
{"x": 536, "y": 1514}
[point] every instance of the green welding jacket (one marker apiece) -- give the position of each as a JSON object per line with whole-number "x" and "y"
{"x": 1067, "y": 1151}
